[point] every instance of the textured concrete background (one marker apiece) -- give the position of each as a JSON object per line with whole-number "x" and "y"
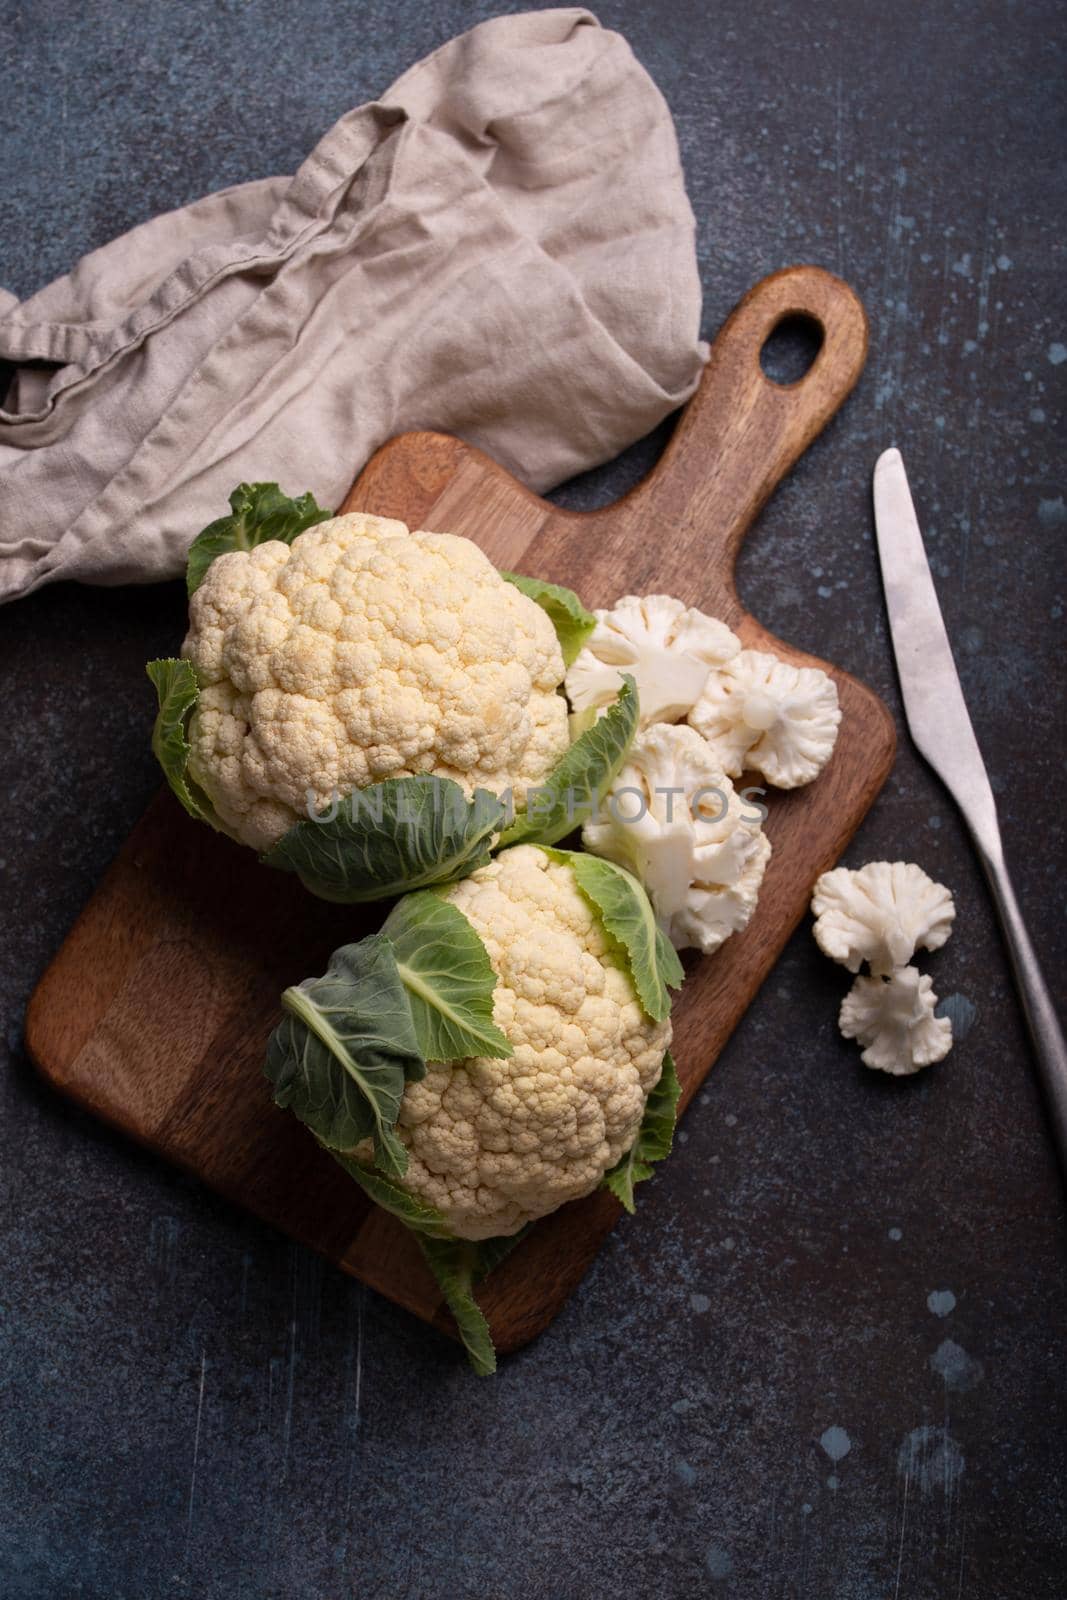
{"x": 825, "y": 1360}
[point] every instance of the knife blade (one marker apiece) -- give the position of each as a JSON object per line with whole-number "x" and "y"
{"x": 941, "y": 728}
{"x": 933, "y": 696}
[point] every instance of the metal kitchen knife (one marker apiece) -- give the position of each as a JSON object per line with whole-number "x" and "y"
{"x": 939, "y": 724}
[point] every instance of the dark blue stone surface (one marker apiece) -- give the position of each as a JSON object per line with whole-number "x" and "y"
{"x": 826, "y": 1358}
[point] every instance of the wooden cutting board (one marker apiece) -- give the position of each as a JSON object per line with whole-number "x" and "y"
{"x": 155, "y": 1012}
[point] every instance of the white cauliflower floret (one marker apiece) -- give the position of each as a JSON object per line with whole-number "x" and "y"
{"x": 715, "y": 911}
{"x": 765, "y": 715}
{"x": 668, "y": 648}
{"x": 894, "y": 1019}
{"x": 671, "y": 817}
{"x": 362, "y": 652}
{"x": 494, "y": 1144}
{"x": 881, "y": 913}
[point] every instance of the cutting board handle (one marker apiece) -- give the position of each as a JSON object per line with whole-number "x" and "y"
{"x": 742, "y": 432}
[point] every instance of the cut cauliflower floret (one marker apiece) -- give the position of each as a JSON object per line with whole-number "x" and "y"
{"x": 362, "y": 652}
{"x": 715, "y": 911}
{"x": 881, "y": 913}
{"x": 671, "y": 817}
{"x": 765, "y": 715}
{"x": 493, "y": 1144}
{"x": 667, "y": 647}
{"x": 894, "y": 1019}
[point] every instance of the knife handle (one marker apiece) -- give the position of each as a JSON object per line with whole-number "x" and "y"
{"x": 1041, "y": 1019}
{"x": 742, "y": 432}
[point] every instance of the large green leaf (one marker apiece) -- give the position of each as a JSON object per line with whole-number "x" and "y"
{"x": 390, "y": 838}
{"x": 627, "y": 914}
{"x": 572, "y": 622}
{"x": 345, "y": 1049}
{"x": 571, "y": 792}
{"x": 177, "y": 692}
{"x": 445, "y": 968}
{"x": 258, "y": 512}
{"x": 654, "y": 1137}
{"x": 453, "y": 1263}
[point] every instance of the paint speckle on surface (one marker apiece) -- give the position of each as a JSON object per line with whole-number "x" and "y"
{"x": 836, "y": 1442}
{"x": 961, "y": 1012}
{"x": 941, "y": 1302}
{"x": 931, "y": 1459}
{"x": 684, "y": 1472}
{"x": 718, "y": 1562}
{"x": 730, "y": 1120}
{"x": 1057, "y": 353}
{"x": 1052, "y": 512}
{"x": 680, "y": 1407}
{"x": 1004, "y": 263}
{"x": 700, "y": 1302}
{"x": 728, "y": 1243}
{"x": 806, "y": 1509}
{"x": 833, "y": 1481}
{"x": 896, "y": 1234}
{"x": 955, "y": 1367}
{"x": 1037, "y": 414}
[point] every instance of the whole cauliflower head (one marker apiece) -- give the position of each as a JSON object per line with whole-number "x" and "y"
{"x": 894, "y": 1019}
{"x": 494, "y": 1144}
{"x": 762, "y": 714}
{"x": 666, "y": 646}
{"x": 361, "y": 652}
{"x": 881, "y": 913}
{"x": 672, "y": 818}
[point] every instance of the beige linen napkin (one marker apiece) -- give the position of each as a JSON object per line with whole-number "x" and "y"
{"x": 501, "y": 247}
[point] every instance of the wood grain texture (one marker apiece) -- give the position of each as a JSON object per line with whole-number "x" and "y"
{"x": 155, "y": 1012}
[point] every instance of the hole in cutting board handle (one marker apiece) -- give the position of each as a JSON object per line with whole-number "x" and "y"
{"x": 790, "y": 349}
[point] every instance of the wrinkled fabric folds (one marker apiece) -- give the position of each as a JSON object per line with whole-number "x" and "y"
{"x": 501, "y": 247}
